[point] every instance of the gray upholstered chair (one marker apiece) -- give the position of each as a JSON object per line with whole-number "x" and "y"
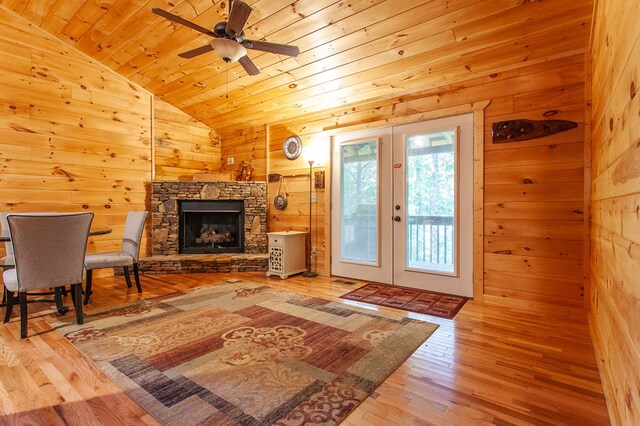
{"x": 49, "y": 252}
{"x": 4, "y": 231}
{"x": 8, "y": 257}
{"x": 127, "y": 256}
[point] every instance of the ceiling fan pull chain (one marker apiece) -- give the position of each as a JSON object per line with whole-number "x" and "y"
{"x": 227, "y": 79}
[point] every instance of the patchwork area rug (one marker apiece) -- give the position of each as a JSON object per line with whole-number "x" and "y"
{"x": 409, "y": 299}
{"x": 243, "y": 353}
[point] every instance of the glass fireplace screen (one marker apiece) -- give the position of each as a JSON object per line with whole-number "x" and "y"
{"x": 211, "y": 226}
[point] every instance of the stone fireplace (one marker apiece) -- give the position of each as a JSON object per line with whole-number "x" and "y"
{"x": 226, "y": 229}
{"x": 167, "y": 197}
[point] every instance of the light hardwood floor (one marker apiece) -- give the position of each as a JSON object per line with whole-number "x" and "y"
{"x": 490, "y": 365}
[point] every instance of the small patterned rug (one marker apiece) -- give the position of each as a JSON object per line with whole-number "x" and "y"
{"x": 244, "y": 353}
{"x": 409, "y": 299}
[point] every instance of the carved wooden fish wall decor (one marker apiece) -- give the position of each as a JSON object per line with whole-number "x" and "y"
{"x": 522, "y": 130}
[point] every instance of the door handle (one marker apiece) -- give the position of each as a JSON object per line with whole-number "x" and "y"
{"x": 396, "y": 218}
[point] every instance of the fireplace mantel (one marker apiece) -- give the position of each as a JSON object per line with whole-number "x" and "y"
{"x": 164, "y": 203}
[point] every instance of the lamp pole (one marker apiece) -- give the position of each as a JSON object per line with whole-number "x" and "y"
{"x": 309, "y": 273}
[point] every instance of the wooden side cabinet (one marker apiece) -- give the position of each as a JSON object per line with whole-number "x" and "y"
{"x": 286, "y": 253}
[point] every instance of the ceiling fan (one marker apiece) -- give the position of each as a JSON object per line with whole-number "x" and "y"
{"x": 228, "y": 38}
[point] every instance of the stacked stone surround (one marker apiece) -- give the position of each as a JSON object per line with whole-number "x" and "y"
{"x": 164, "y": 205}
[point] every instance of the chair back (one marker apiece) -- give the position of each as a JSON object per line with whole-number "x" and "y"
{"x": 133, "y": 228}
{"x": 49, "y": 250}
{"x": 5, "y": 227}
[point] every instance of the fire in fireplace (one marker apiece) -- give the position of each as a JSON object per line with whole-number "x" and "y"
{"x": 212, "y": 226}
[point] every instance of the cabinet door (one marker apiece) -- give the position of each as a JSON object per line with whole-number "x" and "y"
{"x": 276, "y": 260}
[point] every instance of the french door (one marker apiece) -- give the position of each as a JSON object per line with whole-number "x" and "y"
{"x": 360, "y": 221}
{"x": 402, "y": 205}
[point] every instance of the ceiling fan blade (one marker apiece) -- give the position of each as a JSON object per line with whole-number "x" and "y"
{"x": 249, "y": 66}
{"x": 182, "y": 21}
{"x": 238, "y": 16}
{"x": 265, "y": 46}
{"x": 195, "y": 52}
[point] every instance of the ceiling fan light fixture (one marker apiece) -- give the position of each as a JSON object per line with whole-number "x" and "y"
{"x": 228, "y": 38}
{"x": 228, "y": 50}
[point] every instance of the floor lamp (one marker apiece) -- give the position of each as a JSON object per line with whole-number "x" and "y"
{"x": 309, "y": 272}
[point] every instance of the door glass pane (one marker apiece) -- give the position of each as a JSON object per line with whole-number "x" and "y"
{"x": 359, "y": 198}
{"x": 431, "y": 200}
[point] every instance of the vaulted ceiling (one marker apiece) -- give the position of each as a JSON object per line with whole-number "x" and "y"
{"x": 350, "y": 51}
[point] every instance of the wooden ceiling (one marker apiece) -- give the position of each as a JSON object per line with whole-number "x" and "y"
{"x": 351, "y": 51}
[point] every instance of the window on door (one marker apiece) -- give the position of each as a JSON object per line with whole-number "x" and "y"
{"x": 359, "y": 193}
{"x": 430, "y": 202}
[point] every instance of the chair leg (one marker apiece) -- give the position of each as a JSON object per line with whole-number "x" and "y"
{"x": 9, "y": 307}
{"x": 126, "y": 276}
{"x": 76, "y": 292}
{"x": 137, "y": 277}
{"x": 87, "y": 289}
{"x": 23, "y": 314}
{"x": 58, "y": 292}
{"x": 73, "y": 295}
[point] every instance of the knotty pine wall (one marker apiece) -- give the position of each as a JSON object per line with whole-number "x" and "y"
{"x": 246, "y": 145}
{"x": 75, "y": 136}
{"x": 534, "y": 190}
{"x": 183, "y": 145}
{"x": 615, "y": 265}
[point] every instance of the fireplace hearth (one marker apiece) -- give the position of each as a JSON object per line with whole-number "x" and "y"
{"x": 212, "y": 226}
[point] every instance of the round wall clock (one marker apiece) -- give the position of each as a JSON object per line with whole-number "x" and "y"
{"x": 292, "y": 147}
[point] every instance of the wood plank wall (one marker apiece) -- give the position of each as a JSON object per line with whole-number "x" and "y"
{"x": 245, "y": 145}
{"x": 615, "y": 265}
{"x": 534, "y": 190}
{"x": 183, "y": 145}
{"x": 75, "y": 136}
